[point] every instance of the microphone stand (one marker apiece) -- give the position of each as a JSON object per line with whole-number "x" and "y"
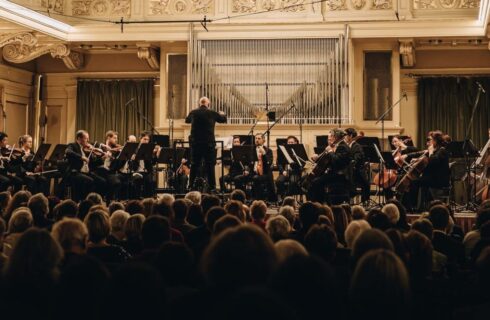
{"x": 277, "y": 120}
{"x": 171, "y": 117}
{"x": 267, "y": 110}
{"x": 382, "y": 120}
{"x": 148, "y": 122}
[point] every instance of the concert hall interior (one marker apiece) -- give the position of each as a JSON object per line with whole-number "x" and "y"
{"x": 293, "y": 153}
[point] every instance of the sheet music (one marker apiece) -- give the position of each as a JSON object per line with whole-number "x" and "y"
{"x": 483, "y": 153}
{"x": 286, "y": 154}
{"x": 378, "y": 153}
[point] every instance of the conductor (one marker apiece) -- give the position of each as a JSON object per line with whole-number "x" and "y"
{"x": 202, "y": 140}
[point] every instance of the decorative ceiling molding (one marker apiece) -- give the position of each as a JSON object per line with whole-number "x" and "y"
{"x": 407, "y": 52}
{"x": 24, "y": 46}
{"x": 150, "y": 54}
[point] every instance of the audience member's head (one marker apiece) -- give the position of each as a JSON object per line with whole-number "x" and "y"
{"x": 340, "y": 222}
{"x": 358, "y": 213}
{"x": 39, "y": 206}
{"x": 95, "y": 198}
{"x": 378, "y": 220}
{"x": 133, "y": 226}
{"x": 235, "y": 208}
{"x": 288, "y": 213}
{"x": 399, "y": 243}
{"x": 66, "y": 208}
{"x": 134, "y": 207}
{"x": 21, "y": 220}
{"x": 322, "y": 242}
{"x": 227, "y": 261}
{"x": 402, "y": 211}
{"x": 194, "y": 196}
{"x": 354, "y": 229}
{"x": 84, "y": 207}
{"x": 482, "y": 216}
{"x": 380, "y": 282}
{"x": 162, "y": 208}
{"x": 288, "y": 248}
{"x": 155, "y": 232}
{"x": 213, "y": 214}
{"x": 290, "y": 201}
{"x": 166, "y": 198}
{"x": 118, "y": 221}
{"x": 114, "y": 206}
{"x": 420, "y": 255}
{"x": 368, "y": 240}
{"x": 19, "y": 199}
{"x": 208, "y": 201}
{"x": 278, "y": 228}
{"x": 391, "y": 211}
{"x": 98, "y": 226}
{"x": 147, "y": 204}
{"x": 258, "y": 210}
{"x": 238, "y": 195}
{"x": 327, "y": 212}
{"x": 4, "y": 200}
{"x": 224, "y": 223}
{"x": 439, "y": 216}
{"x": 195, "y": 216}
{"x": 308, "y": 215}
{"x": 180, "y": 209}
{"x": 424, "y": 226}
{"x": 71, "y": 234}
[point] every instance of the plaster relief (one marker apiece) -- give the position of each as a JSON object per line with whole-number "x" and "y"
{"x": 334, "y": 5}
{"x": 358, "y": 4}
{"x": 244, "y": 6}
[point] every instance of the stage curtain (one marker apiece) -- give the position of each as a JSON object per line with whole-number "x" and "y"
{"x": 446, "y": 103}
{"x": 106, "y": 105}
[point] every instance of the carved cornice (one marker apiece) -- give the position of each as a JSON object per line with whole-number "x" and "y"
{"x": 23, "y": 47}
{"x": 407, "y": 52}
{"x": 150, "y": 54}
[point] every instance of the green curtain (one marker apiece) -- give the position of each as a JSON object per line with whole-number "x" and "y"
{"x": 102, "y": 105}
{"x": 446, "y": 103}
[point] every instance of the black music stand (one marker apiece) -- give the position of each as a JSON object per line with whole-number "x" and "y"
{"x": 145, "y": 152}
{"x": 295, "y": 153}
{"x": 369, "y": 141}
{"x": 162, "y": 140}
{"x": 226, "y": 157}
{"x": 41, "y": 152}
{"x": 322, "y": 141}
{"x": 125, "y": 155}
{"x": 247, "y": 140}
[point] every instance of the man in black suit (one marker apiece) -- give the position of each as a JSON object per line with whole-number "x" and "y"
{"x": 289, "y": 175}
{"x": 337, "y": 156}
{"x": 262, "y": 171}
{"x": 236, "y": 168}
{"x": 360, "y": 176}
{"x": 78, "y": 170}
{"x": 142, "y": 172}
{"x": 202, "y": 122}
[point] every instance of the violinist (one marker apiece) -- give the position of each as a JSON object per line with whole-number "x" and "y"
{"x": 436, "y": 173}
{"x": 107, "y": 171}
{"x": 289, "y": 174}
{"x": 337, "y": 156}
{"x": 142, "y": 172}
{"x": 6, "y": 178}
{"x": 180, "y": 178}
{"x": 82, "y": 180}
{"x": 360, "y": 175}
{"x": 26, "y": 167}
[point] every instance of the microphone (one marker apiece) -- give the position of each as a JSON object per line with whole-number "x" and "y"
{"x": 127, "y": 103}
{"x": 480, "y": 86}
{"x": 397, "y": 15}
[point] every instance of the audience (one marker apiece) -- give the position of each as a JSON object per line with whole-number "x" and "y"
{"x": 20, "y": 221}
{"x": 278, "y": 228}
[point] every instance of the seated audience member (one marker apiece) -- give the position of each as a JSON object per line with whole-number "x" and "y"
{"x": 288, "y": 248}
{"x": 454, "y": 250}
{"x": 114, "y": 206}
{"x": 378, "y": 220}
{"x": 194, "y": 196}
{"x": 288, "y": 213}
{"x": 180, "y": 223}
{"x": 353, "y": 230}
{"x": 84, "y": 207}
{"x": 239, "y": 195}
{"x": 369, "y": 240}
{"x": 290, "y": 201}
{"x": 198, "y": 239}
{"x": 39, "y": 206}
{"x": 227, "y": 263}
{"x": 402, "y": 223}
{"x": 305, "y": 283}
{"x": 391, "y": 211}
{"x": 340, "y": 223}
{"x": 439, "y": 260}
{"x": 3, "y": 230}
{"x": 224, "y": 223}
{"x": 278, "y": 228}
{"x": 419, "y": 256}
{"x": 380, "y": 282}
{"x": 472, "y": 237}
{"x": 166, "y": 198}
{"x": 258, "y": 210}
{"x": 19, "y": 199}
{"x": 358, "y": 213}
{"x": 235, "y": 208}
{"x": 66, "y": 208}
{"x": 208, "y": 201}
{"x": 399, "y": 243}
{"x": 147, "y": 204}
{"x": 132, "y": 231}
{"x": 118, "y": 221}
{"x": 31, "y": 276}
{"x": 164, "y": 209}
{"x": 99, "y": 226}
{"x": 176, "y": 264}
{"x": 72, "y": 235}
{"x": 321, "y": 241}
{"x": 154, "y": 232}
{"x": 4, "y": 202}
{"x": 95, "y": 198}
{"x": 195, "y": 216}
{"x": 482, "y": 243}
{"x": 134, "y": 207}
{"x": 308, "y": 216}
{"x": 326, "y": 212}
{"x": 20, "y": 221}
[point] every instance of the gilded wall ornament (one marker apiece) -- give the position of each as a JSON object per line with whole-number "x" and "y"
{"x": 202, "y": 6}
{"x": 244, "y": 6}
{"x": 159, "y": 7}
{"x": 121, "y": 7}
{"x": 81, "y": 8}
{"x": 358, "y": 4}
{"x": 99, "y": 7}
{"x": 334, "y": 5}
{"x": 268, "y": 4}
{"x": 382, "y": 4}
{"x": 448, "y": 4}
{"x": 55, "y": 5}
{"x": 424, "y": 4}
{"x": 292, "y": 5}
{"x": 469, "y": 4}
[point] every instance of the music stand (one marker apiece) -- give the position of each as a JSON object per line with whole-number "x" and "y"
{"x": 58, "y": 153}
{"x": 322, "y": 141}
{"x": 127, "y": 151}
{"x": 226, "y": 157}
{"x": 388, "y": 160}
{"x": 369, "y": 141}
{"x": 296, "y": 152}
{"x": 246, "y": 140}
{"x": 167, "y": 155}
{"x": 244, "y": 154}
{"x": 163, "y": 140}
{"x": 41, "y": 152}
{"x": 145, "y": 152}
{"x": 370, "y": 153}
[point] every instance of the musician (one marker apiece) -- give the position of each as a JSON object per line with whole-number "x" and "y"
{"x": 289, "y": 174}
{"x": 142, "y": 172}
{"x": 6, "y": 179}
{"x": 436, "y": 174}
{"x": 132, "y": 138}
{"x": 202, "y": 140}
{"x": 262, "y": 171}
{"x": 81, "y": 179}
{"x": 236, "y": 169}
{"x": 107, "y": 170}
{"x": 401, "y": 148}
{"x": 25, "y": 167}
{"x": 360, "y": 174}
{"x": 337, "y": 155}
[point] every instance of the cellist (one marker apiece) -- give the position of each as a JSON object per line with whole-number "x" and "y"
{"x": 436, "y": 174}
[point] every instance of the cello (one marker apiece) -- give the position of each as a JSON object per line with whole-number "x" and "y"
{"x": 416, "y": 169}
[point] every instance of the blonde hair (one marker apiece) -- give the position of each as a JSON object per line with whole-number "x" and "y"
{"x": 118, "y": 220}
{"x": 69, "y": 232}
{"x": 21, "y": 220}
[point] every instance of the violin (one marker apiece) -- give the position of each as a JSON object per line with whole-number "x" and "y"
{"x": 12, "y": 152}
{"x": 88, "y": 148}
